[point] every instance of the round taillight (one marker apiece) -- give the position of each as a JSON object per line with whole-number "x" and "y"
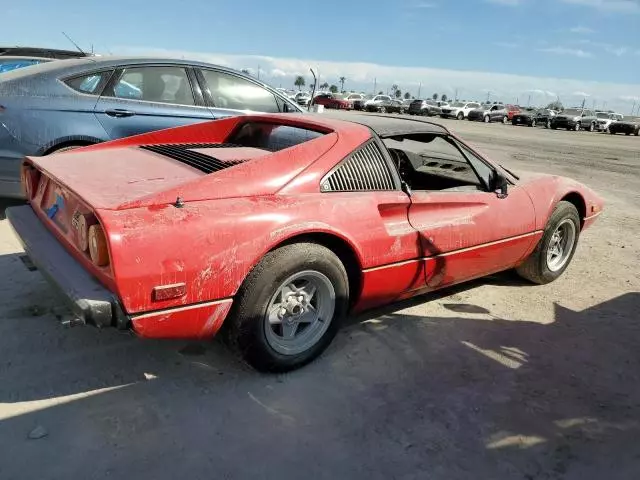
{"x": 82, "y": 226}
{"x": 98, "y": 246}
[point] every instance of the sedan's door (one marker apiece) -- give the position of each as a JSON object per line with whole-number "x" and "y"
{"x": 466, "y": 231}
{"x": 141, "y": 99}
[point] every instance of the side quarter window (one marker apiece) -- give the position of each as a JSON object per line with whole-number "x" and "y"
{"x": 231, "y": 91}
{"x": 90, "y": 84}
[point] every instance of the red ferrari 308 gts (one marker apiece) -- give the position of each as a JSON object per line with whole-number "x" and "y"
{"x": 274, "y": 228}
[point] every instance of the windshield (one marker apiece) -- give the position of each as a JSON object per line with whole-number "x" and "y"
{"x": 572, "y": 112}
{"x": 457, "y": 104}
{"x": 603, "y": 115}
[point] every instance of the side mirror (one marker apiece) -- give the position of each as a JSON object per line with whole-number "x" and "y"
{"x": 501, "y": 185}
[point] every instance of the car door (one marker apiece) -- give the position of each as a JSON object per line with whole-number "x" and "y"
{"x": 470, "y": 231}
{"x": 228, "y": 95}
{"x": 144, "y": 98}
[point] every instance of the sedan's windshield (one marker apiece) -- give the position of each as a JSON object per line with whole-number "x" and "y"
{"x": 603, "y": 115}
{"x": 572, "y": 112}
{"x": 457, "y": 104}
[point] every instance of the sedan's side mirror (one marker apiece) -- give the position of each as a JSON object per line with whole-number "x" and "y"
{"x": 501, "y": 185}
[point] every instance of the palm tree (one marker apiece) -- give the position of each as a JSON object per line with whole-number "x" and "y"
{"x": 324, "y": 86}
{"x": 299, "y": 82}
{"x": 407, "y": 95}
{"x": 333, "y": 89}
{"x": 398, "y": 93}
{"x": 342, "y": 80}
{"x": 444, "y": 97}
{"x": 434, "y": 96}
{"x": 245, "y": 71}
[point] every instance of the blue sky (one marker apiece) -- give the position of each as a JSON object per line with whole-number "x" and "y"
{"x": 516, "y": 47}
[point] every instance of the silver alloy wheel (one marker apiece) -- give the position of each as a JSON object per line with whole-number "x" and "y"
{"x": 561, "y": 245}
{"x": 486, "y": 119}
{"x": 300, "y": 312}
{"x": 505, "y": 119}
{"x": 533, "y": 122}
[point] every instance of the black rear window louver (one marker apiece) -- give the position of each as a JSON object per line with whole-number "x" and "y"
{"x": 363, "y": 170}
{"x": 183, "y": 152}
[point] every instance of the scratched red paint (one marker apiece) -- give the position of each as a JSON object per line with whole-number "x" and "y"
{"x": 403, "y": 244}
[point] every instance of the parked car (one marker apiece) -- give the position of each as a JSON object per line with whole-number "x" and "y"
{"x": 424, "y": 107}
{"x": 78, "y": 102}
{"x": 42, "y": 52}
{"x": 458, "y": 110}
{"x": 376, "y": 100}
{"x": 604, "y": 120}
{"x": 512, "y": 110}
{"x": 526, "y": 116}
{"x": 544, "y": 117}
{"x": 628, "y": 128}
{"x": 489, "y": 113}
{"x": 359, "y": 104}
{"x": 241, "y": 224}
{"x": 302, "y": 98}
{"x": 8, "y": 63}
{"x": 354, "y": 97}
{"x": 332, "y": 100}
{"x": 390, "y": 106}
{"x": 575, "y": 119}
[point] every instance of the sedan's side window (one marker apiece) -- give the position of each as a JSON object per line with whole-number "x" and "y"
{"x": 87, "y": 83}
{"x": 230, "y": 91}
{"x": 155, "y": 84}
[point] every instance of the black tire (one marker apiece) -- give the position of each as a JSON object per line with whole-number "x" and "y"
{"x": 553, "y": 127}
{"x": 505, "y": 119}
{"x": 535, "y": 267}
{"x": 628, "y": 133}
{"x": 637, "y": 132}
{"x": 460, "y": 116}
{"x": 486, "y": 119}
{"x": 592, "y": 127}
{"x": 577, "y": 127}
{"x": 245, "y": 329}
{"x": 612, "y": 133}
{"x": 383, "y": 110}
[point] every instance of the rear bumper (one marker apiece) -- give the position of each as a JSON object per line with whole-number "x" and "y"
{"x": 89, "y": 300}
{"x": 94, "y": 304}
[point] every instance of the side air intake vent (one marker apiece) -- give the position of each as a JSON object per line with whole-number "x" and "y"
{"x": 364, "y": 170}
{"x": 183, "y": 152}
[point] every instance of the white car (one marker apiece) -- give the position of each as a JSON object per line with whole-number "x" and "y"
{"x": 377, "y": 100}
{"x": 604, "y": 119}
{"x": 458, "y": 110}
{"x": 302, "y": 98}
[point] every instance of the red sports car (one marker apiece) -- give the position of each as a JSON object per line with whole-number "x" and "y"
{"x": 274, "y": 228}
{"x": 333, "y": 100}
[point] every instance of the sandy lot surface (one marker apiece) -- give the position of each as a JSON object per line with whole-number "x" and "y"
{"x": 494, "y": 379}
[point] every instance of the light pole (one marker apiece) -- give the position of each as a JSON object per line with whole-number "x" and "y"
{"x": 419, "y": 88}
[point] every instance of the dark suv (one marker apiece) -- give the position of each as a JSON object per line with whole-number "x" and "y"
{"x": 575, "y": 119}
{"x": 424, "y": 107}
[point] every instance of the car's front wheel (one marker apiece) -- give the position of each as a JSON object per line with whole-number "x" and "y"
{"x": 577, "y": 127}
{"x": 487, "y": 119}
{"x": 555, "y": 249}
{"x": 505, "y": 119}
{"x": 533, "y": 122}
{"x": 289, "y": 308}
{"x": 460, "y": 116}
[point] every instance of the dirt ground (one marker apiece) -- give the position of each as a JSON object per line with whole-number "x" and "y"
{"x": 496, "y": 379}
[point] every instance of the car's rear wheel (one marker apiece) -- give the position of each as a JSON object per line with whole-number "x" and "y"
{"x": 556, "y": 248}
{"x": 533, "y": 122}
{"x": 383, "y": 110}
{"x": 592, "y": 127}
{"x": 289, "y": 308}
{"x": 577, "y": 127}
{"x": 505, "y": 119}
{"x": 460, "y": 116}
{"x": 487, "y": 119}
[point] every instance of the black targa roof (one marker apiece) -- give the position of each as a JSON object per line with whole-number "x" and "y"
{"x": 386, "y": 126}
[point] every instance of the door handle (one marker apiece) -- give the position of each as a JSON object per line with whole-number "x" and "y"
{"x": 119, "y": 113}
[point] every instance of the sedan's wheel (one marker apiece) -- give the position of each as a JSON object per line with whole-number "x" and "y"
{"x": 548, "y": 124}
{"x": 612, "y": 133}
{"x": 505, "y": 119}
{"x": 383, "y": 110}
{"x": 460, "y": 116}
{"x": 577, "y": 127}
{"x": 592, "y": 127}
{"x": 556, "y": 247}
{"x": 533, "y": 122}
{"x": 487, "y": 119}
{"x": 637, "y": 132}
{"x": 606, "y": 130}
{"x": 289, "y": 308}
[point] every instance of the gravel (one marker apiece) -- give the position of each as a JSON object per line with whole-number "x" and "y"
{"x": 492, "y": 379}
